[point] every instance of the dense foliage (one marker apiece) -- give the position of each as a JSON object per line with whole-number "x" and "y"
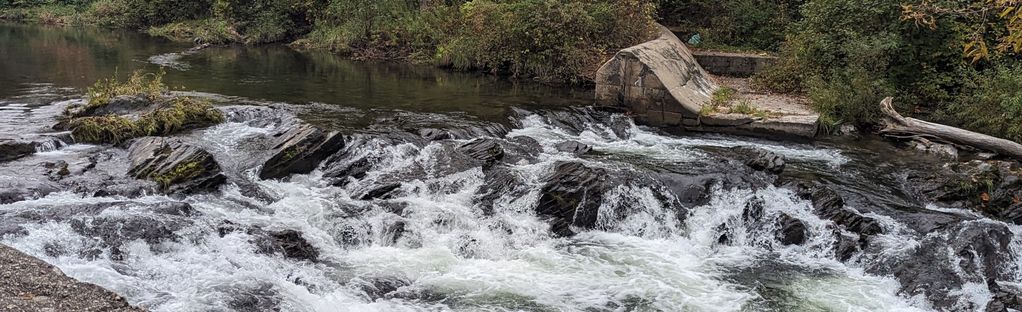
{"x": 547, "y": 40}
{"x": 955, "y": 62}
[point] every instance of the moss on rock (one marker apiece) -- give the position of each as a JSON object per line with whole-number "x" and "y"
{"x": 183, "y": 113}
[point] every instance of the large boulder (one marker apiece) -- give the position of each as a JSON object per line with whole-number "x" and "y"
{"x": 571, "y": 197}
{"x": 659, "y": 80}
{"x": 175, "y": 165}
{"x": 300, "y": 150}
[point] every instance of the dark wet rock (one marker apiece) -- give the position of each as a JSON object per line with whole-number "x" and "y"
{"x": 845, "y": 246}
{"x": 500, "y": 182}
{"x": 1013, "y": 214}
{"x": 354, "y": 170}
{"x": 1004, "y": 297}
{"x": 120, "y": 105}
{"x": 300, "y": 150}
{"x": 989, "y": 187}
{"x": 828, "y": 204}
{"x": 258, "y": 116}
{"x": 753, "y": 210}
{"x": 487, "y": 150}
{"x": 380, "y": 287}
{"x": 571, "y": 197}
{"x": 970, "y": 251}
{"x": 174, "y": 165}
{"x": 381, "y": 192}
{"x": 574, "y": 147}
{"x": 767, "y": 161}
{"x": 432, "y": 134}
{"x": 11, "y": 149}
{"x": 288, "y": 243}
{"x": 577, "y": 120}
{"x": 174, "y": 209}
{"x": 392, "y": 232}
{"x": 695, "y": 189}
{"x": 259, "y": 298}
{"x": 791, "y": 231}
{"x": 116, "y": 231}
{"x": 25, "y": 192}
{"x": 725, "y": 234}
{"x": 521, "y": 149}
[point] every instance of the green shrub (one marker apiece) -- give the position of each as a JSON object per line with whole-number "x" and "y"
{"x": 732, "y": 24}
{"x": 150, "y": 86}
{"x": 210, "y": 30}
{"x": 849, "y": 96}
{"x": 550, "y": 40}
{"x": 262, "y": 21}
{"x": 993, "y": 104}
{"x": 144, "y": 13}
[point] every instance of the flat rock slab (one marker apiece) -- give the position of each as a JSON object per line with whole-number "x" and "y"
{"x": 29, "y": 284}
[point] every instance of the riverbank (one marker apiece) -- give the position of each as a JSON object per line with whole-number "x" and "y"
{"x": 28, "y": 284}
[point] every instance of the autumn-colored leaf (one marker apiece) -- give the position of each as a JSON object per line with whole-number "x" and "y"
{"x": 984, "y": 197}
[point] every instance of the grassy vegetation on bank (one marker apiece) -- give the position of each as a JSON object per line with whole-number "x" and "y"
{"x": 562, "y": 41}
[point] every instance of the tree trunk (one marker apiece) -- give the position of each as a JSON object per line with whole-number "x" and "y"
{"x": 897, "y": 125}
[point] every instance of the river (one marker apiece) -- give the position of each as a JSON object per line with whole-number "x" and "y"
{"x": 445, "y": 240}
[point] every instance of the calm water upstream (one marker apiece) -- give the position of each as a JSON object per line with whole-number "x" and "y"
{"x": 682, "y": 224}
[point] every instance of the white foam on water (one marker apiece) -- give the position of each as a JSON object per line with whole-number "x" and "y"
{"x": 455, "y": 257}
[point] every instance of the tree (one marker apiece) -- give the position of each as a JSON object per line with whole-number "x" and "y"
{"x": 996, "y": 23}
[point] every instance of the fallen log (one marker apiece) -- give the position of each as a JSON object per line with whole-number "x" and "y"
{"x": 896, "y": 125}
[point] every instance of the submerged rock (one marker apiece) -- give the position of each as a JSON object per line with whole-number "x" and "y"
{"x": 258, "y": 298}
{"x": 288, "y": 243}
{"x": 381, "y": 192}
{"x": 379, "y": 287}
{"x": 357, "y": 170}
{"x": 487, "y": 150}
{"x": 574, "y": 147}
{"x": 572, "y": 196}
{"x": 300, "y": 150}
{"x": 176, "y": 166}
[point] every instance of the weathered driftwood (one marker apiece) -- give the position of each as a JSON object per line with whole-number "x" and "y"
{"x": 897, "y": 125}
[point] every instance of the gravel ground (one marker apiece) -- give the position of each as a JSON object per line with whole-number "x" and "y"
{"x": 29, "y": 284}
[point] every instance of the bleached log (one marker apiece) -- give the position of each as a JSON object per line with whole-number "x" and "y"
{"x": 898, "y": 125}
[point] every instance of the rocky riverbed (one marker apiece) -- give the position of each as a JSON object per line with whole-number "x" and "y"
{"x": 560, "y": 209}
